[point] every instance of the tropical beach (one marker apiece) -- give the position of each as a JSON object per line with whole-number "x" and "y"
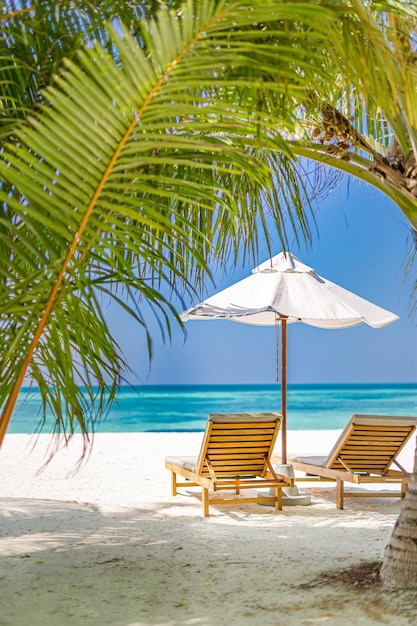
{"x": 106, "y": 543}
{"x": 164, "y": 162}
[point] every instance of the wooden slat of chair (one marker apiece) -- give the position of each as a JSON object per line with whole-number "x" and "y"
{"x": 385, "y": 452}
{"x": 239, "y": 443}
{"x": 389, "y": 424}
{"x": 360, "y": 466}
{"x": 375, "y": 441}
{"x": 240, "y": 440}
{"x": 364, "y": 456}
{"x": 227, "y": 456}
{"x": 241, "y": 462}
{"x": 242, "y": 425}
{"x": 238, "y": 467}
{"x": 242, "y": 428}
{"x": 395, "y": 431}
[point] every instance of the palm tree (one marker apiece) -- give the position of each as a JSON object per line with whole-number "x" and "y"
{"x": 163, "y": 147}
{"x": 153, "y": 178}
{"x": 380, "y": 147}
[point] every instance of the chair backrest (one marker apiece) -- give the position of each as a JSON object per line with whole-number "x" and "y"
{"x": 370, "y": 443}
{"x": 237, "y": 444}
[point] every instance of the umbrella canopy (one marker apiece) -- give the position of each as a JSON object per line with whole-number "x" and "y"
{"x": 283, "y": 290}
{"x": 285, "y": 287}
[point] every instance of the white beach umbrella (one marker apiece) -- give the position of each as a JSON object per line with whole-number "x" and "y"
{"x": 281, "y": 291}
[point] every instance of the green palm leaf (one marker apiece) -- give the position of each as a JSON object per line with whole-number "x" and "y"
{"x": 365, "y": 123}
{"x": 139, "y": 167}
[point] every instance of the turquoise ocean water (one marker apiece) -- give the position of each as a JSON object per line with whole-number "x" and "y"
{"x": 185, "y": 408}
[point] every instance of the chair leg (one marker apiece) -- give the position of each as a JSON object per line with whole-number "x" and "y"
{"x": 173, "y": 484}
{"x": 278, "y": 501}
{"x": 339, "y": 494}
{"x": 205, "y": 500}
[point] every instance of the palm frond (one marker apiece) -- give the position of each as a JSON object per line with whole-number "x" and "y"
{"x": 144, "y": 163}
{"x": 364, "y": 123}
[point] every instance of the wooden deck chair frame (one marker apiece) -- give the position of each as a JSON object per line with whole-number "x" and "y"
{"x": 235, "y": 454}
{"x": 364, "y": 453}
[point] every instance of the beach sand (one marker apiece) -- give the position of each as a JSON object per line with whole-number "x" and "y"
{"x": 109, "y": 545}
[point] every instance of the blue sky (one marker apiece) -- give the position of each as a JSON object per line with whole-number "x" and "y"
{"x": 361, "y": 244}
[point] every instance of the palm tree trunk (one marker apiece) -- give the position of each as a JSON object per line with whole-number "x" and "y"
{"x": 399, "y": 566}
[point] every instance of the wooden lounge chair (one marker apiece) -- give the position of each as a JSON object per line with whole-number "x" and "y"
{"x": 235, "y": 454}
{"x": 364, "y": 453}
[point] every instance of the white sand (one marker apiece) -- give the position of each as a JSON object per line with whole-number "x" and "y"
{"x": 109, "y": 545}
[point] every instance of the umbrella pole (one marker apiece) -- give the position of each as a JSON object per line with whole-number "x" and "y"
{"x": 284, "y": 390}
{"x": 290, "y": 495}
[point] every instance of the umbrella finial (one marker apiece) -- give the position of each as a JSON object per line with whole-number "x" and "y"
{"x": 282, "y": 262}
